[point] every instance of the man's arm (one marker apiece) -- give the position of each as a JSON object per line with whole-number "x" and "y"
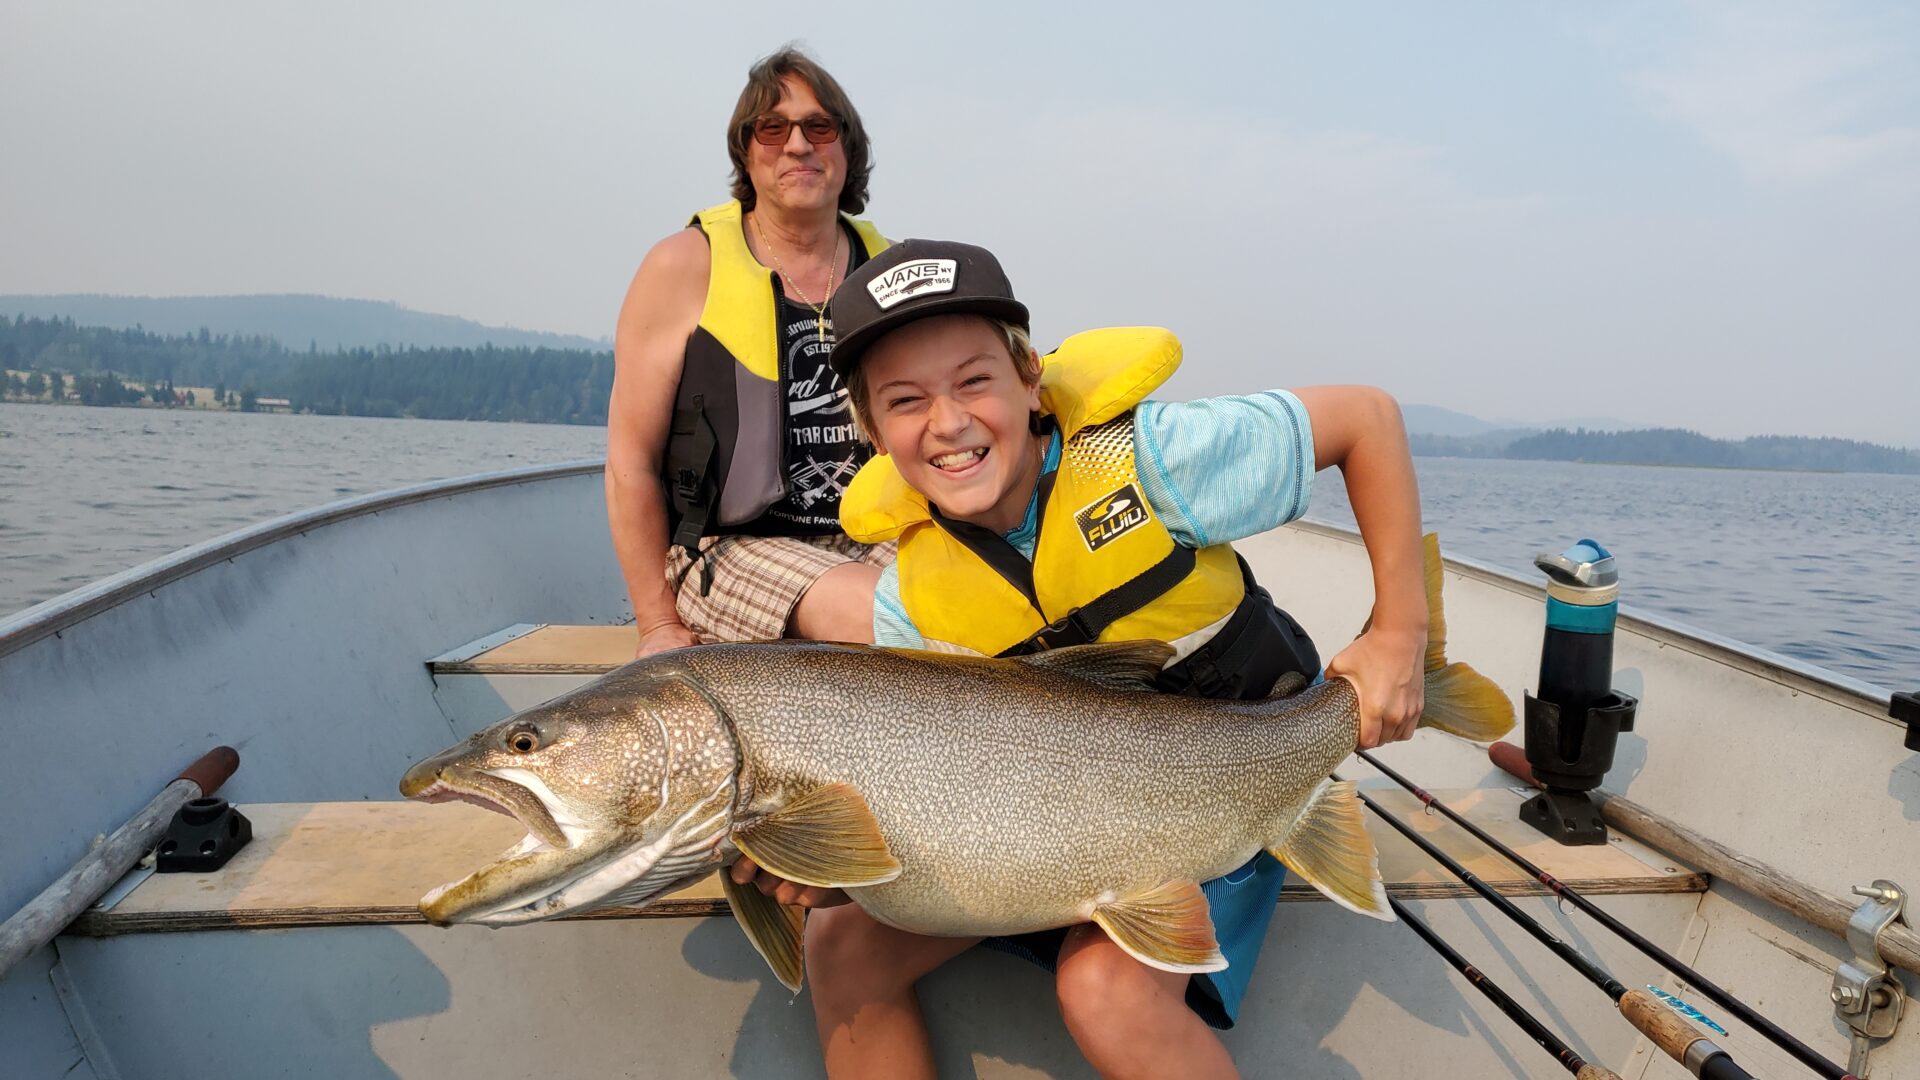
{"x": 661, "y": 310}
{"x": 1359, "y": 429}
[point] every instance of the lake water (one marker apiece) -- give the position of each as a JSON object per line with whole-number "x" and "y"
{"x": 1825, "y": 568}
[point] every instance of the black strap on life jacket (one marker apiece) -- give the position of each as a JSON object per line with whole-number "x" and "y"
{"x": 1258, "y": 644}
{"x": 690, "y": 488}
{"x": 1084, "y": 624}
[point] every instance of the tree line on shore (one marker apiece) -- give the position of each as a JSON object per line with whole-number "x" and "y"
{"x": 485, "y": 383}
{"x": 1675, "y": 446}
{"x": 94, "y": 365}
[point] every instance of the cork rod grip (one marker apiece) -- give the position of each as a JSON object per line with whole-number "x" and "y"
{"x": 1590, "y": 1071}
{"x": 1665, "y": 1027}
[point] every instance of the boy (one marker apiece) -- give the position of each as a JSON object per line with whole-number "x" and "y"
{"x": 1037, "y": 508}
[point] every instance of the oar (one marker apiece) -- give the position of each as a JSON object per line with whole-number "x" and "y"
{"x": 1574, "y": 1063}
{"x": 63, "y": 901}
{"x": 1680, "y": 1040}
{"x": 1899, "y": 945}
{"x": 1734, "y": 1006}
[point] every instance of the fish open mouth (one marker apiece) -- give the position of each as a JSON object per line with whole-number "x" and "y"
{"x": 500, "y": 794}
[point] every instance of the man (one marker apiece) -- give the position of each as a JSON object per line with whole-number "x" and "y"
{"x": 1035, "y": 510}
{"x": 729, "y": 438}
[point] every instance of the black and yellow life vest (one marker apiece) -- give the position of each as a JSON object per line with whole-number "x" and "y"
{"x": 725, "y": 461}
{"x": 1104, "y": 566}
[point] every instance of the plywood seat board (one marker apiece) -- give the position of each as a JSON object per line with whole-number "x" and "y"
{"x": 358, "y": 863}
{"x": 550, "y": 650}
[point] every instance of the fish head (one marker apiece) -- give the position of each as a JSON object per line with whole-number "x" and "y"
{"x": 626, "y": 787}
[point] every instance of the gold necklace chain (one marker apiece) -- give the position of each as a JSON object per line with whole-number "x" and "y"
{"x": 819, "y": 309}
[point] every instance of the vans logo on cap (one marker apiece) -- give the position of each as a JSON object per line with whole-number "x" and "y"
{"x": 1111, "y": 517}
{"x": 921, "y": 277}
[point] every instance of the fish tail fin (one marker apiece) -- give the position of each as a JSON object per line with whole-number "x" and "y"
{"x": 1330, "y": 848}
{"x": 1459, "y": 700}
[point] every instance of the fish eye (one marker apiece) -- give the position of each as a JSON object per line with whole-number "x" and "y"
{"x": 523, "y": 742}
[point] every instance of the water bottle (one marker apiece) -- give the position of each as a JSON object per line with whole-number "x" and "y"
{"x": 1576, "y": 718}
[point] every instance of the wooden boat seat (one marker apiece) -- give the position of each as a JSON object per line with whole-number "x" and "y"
{"x": 541, "y": 649}
{"x": 357, "y": 863}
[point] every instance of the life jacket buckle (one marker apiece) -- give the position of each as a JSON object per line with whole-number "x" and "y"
{"x": 1065, "y": 632}
{"x": 686, "y": 484}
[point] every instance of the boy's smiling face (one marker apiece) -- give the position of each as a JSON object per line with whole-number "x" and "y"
{"x": 949, "y": 407}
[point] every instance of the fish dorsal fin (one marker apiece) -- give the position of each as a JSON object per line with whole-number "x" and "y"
{"x": 826, "y": 837}
{"x": 1329, "y": 846}
{"x": 774, "y": 929}
{"x": 1118, "y": 665}
{"x": 1168, "y": 928}
{"x": 1288, "y": 685}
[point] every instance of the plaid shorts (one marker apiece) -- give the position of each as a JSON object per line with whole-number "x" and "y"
{"x": 757, "y": 580}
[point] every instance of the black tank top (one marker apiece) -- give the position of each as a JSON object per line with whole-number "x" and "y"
{"x": 821, "y": 451}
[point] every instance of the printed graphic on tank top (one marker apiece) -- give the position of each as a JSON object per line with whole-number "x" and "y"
{"x": 823, "y": 452}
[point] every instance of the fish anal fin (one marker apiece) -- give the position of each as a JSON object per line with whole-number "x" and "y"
{"x": 1117, "y": 665}
{"x": 1169, "y": 928}
{"x": 775, "y": 930}
{"x": 826, "y": 837}
{"x": 1330, "y": 848}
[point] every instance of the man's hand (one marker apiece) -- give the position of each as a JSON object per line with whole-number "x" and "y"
{"x": 666, "y": 636}
{"x": 1387, "y": 668}
{"x": 745, "y": 872}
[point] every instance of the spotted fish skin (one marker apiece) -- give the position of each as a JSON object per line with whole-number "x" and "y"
{"x": 1012, "y": 796}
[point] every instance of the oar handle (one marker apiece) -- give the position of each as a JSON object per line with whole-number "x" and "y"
{"x": 214, "y": 768}
{"x": 61, "y": 902}
{"x": 1679, "y": 1039}
{"x": 1514, "y": 760}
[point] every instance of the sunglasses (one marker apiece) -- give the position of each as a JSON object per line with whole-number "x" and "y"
{"x": 772, "y": 129}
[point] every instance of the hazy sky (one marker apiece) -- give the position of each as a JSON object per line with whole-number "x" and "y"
{"x": 1704, "y": 215}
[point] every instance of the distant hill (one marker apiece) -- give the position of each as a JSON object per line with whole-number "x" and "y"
{"x": 294, "y": 320}
{"x": 1434, "y": 420}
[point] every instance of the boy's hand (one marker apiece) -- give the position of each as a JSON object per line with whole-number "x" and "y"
{"x": 745, "y": 872}
{"x": 1386, "y": 666}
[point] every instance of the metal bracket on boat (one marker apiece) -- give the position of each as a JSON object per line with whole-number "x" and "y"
{"x": 1866, "y": 996}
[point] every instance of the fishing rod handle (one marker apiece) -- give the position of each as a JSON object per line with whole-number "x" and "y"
{"x": 1590, "y": 1071}
{"x": 1677, "y": 1038}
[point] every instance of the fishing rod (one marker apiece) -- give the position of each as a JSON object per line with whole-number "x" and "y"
{"x": 1680, "y": 1040}
{"x": 1739, "y": 1009}
{"x": 1575, "y": 1064}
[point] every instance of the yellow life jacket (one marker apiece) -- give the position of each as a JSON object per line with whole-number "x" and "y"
{"x": 725, "y": 458}
{"x": 1104, "y": 565}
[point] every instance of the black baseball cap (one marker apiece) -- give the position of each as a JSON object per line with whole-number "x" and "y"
{"x": 912, "y": 280}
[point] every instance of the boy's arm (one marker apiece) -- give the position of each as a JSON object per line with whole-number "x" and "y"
{"x": 1358, "y": 429}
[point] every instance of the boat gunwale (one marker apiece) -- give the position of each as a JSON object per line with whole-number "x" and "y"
{"x": 1795, "y": 674}
{"x": 62, "y": 612}
{"x": 50, "y": 617}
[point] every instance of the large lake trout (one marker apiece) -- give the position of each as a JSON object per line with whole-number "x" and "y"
{"x": 949, "y": 795}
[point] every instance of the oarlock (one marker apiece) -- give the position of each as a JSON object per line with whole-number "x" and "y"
{"x": 1867, "y": 997}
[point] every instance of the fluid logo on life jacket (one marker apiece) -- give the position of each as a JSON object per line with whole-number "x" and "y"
{"x": 1111, "y": 517}
{"x": 910, "y": 279}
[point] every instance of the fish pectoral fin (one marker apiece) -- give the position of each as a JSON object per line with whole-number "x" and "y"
{"x": 775, "y": 929}
{"x": 1118, "y": 665}
{"x": 827, "y": 837}
{"x": 1169, "y": 928}
{"x": 1329, "y": 846}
